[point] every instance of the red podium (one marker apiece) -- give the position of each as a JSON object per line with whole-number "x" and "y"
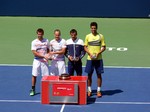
{"x": 69, "y": 91}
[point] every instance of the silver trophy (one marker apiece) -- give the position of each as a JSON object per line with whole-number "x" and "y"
{"x": 75, "y": 58}
{"x": 94, "y": 56}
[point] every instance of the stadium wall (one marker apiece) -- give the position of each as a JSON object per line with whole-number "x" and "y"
{"x": 76, "y": 8}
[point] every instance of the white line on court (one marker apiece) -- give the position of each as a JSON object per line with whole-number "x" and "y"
{"x": 20, "y": 101}
{"x": 82, "y": 66}
{"x": 128, "y": 103}
{"x": 14, "y": 65}
{"x": 63, "y": 106}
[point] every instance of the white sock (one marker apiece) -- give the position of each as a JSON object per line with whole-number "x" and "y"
{"x": 98, "y": 89}
{"x": 89, "y": 89}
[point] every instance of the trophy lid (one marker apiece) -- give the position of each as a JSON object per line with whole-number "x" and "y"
{"x": 64, "y": 76}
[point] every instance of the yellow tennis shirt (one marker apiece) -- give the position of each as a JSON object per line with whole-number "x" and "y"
{"x": 94, "y": 44}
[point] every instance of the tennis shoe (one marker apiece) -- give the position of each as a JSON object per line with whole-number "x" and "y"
{"x": 89, "y": 93}
{"x": 32, "y": 92}
{"x": 99, "y": 94}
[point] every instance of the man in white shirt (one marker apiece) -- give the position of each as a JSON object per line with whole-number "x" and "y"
{"x": 57, "y": 50}
{"x": 39, "y": 47}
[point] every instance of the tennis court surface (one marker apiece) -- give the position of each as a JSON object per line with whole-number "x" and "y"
{"x": 124, "y": 89}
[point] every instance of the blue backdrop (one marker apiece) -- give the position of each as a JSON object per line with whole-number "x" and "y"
{"x": 76, "y": 8}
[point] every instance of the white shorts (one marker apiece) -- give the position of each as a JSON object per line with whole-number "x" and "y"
{"x": 57, "y": 67}
{"x": 40, "y": 67}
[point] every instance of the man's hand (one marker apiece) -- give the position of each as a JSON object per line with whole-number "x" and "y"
{"x": 70, "y": 58}
{"x": 77, "y": 59}
{"x": 48, "y": 56}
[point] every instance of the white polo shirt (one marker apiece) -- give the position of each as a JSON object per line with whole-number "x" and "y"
{"x": 40, "y": 46}
{"x": 57, "y": 46}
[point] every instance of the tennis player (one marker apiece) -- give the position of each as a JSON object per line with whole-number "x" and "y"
{"x": 57, "y": 50}
{"x": 39, "y": 47}
{"x": 94, "y": 46}
{"x": 74, "y": 52}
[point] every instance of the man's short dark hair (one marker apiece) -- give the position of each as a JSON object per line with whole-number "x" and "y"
{"x": 40, "y": 30}
{"x": 73, "y": 31}
{"x": 94, "y": 24}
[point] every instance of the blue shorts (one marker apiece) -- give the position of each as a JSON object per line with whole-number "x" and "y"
{"x": 94, "y": 64}
{"x": 75, "y": 66}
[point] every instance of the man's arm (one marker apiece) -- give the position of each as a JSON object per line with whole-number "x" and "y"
{"x": 37, "y": 54}
{"x": 62, "y": 51}
{"x": 87, "y": 51}
{"x": 103, "y": 48}
{"x": 83, "y": 52}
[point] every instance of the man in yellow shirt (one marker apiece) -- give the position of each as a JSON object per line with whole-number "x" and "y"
{"x": 94, "y": 46}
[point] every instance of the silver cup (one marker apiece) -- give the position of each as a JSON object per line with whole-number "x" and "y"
{"x": 94, "y": 56}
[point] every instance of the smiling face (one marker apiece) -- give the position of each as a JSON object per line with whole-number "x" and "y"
{"x": 40, "y": 34}
{"x": 93, "y": 30}
{"x": 94, "y": 27}
{"x": 57, "y": 35}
